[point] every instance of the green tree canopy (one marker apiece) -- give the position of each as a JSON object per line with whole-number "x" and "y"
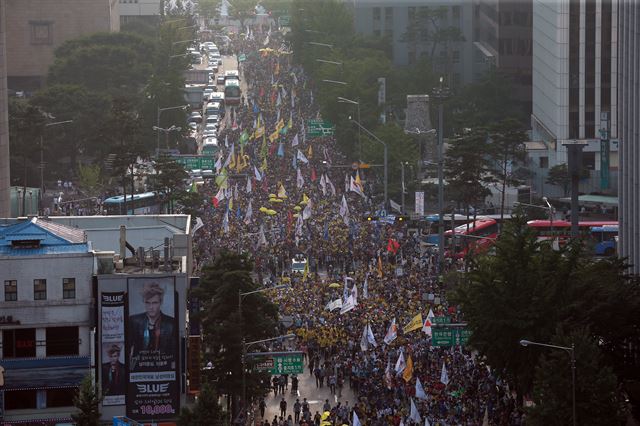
{"x": 224, "y": 328}
{"x": 87, "y": 402}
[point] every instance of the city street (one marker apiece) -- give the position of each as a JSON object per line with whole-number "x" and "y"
{"x": 306, "y": 389}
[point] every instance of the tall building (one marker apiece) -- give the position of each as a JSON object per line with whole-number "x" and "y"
{"x": 5, "y": 179}
{"x": 35, "y": 28}
{"x": 574, "y": 92}
{"x": 132, "y": 11}
{"x": 502, "y": 34}
{"x": 394, "y": 19}
{"x": 629, "y": 129}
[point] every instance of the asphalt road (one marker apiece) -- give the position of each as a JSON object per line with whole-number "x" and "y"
{"x": 306, "y": 389}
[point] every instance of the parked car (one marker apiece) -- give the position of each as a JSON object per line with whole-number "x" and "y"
{"x": 195, "y": 117}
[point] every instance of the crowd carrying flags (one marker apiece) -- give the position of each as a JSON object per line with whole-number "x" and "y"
{"x": 348, "y": 305}
{"x": 392, "y": 333}
{"x": 336, "y": 304}
{"x": 414, "y": 324}
{"x": 426, "y": 328}
{"x": 400, "y": 363}
{"x": 356, "y": 420}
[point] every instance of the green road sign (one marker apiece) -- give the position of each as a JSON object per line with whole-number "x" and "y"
{"x": 447, "y": 336}
{"x": 441, "y": 320}
{"x": 320, "y": 128}
{"x": 242, "y": 57}
{"x": 191, "y": 162}
{"x": 284, "y": 21}
{"x": 279, "y": 362}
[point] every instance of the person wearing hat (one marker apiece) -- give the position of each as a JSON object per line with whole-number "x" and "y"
{"x": 113, "y": 375}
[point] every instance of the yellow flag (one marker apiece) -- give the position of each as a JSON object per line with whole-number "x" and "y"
{"x": 407, "y": 374}
{"x": 231, "y": 203}
{"x": 281, "y": 191}
{"x": 258, "y": 121}
{"x": 258, "y": 133}
{"x": 358, "y": 180}
{"x": 264, "y": 165}
{"x": 305, "y": 199}
{"x": 279, "y": 125}
{"x": 274, "y": 136}
{"x": 310, "y": 152}
{"x": 414, "y": 324}
{"x": 290, "y": 123}
{"x": 232, "y": 163}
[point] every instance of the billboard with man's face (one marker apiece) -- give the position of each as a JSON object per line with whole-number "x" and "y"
{"x": 113, "y": 373}
{"x": 152, "y": 349}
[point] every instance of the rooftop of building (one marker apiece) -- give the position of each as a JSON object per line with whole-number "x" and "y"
{"x": 37, "y": 236}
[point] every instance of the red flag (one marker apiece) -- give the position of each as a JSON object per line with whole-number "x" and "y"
{"x": 215, "y": 202}
{"x": 393, "y": 246}
{"x": 262, "y": 92}
{"x": 313, "y": 175}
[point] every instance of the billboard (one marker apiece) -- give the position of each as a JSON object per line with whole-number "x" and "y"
{"x": 113, "y": 376}
{"x": 152, "y": 349}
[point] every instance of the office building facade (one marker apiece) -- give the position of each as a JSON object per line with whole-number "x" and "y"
{"x": 629, "y": 129}
{"x": 574, "y": 93}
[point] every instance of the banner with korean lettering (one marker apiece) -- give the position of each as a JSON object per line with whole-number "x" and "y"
{"x": 152, "y": 347}
{"x": 113, "y": 375}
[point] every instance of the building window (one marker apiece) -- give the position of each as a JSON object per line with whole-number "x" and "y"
{"x": 544, "y": 162}
{"x": 19, "y": 343}
{"x": 62, "y": 341}
{"x": 376, "y": 13}
{"x": 20, "y": 399}
{"x": 455, "y": 12}
{"x": 388, "y": 14}
{"x": 10, "y": 290}
{"x": 589, "y": 160}
{"x": 456, "y": 79}
{"x": 41, "y": 32}
{"x": 68, "y": 288}
{"x": 376, "y": 33}
{"x": 389, "y": 33}
{"x": 39, "y": 289}
{"x": 60, "y": 397}
{"x": 456, "y": 56}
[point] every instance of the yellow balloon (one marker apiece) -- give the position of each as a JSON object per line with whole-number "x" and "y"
{"x": 263, "y": 209}
{"x": 271, "y": 212}
{"x": 272, "y": 195}
{"x": 297, "y": 208}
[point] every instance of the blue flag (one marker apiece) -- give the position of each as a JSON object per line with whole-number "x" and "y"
{"x": 238, "y": 213}
{"x": 326, "y": 231}
{"x": 256, "y": 109}
{"x": 281, "y": 150}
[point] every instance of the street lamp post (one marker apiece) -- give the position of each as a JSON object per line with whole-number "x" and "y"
{"x": 357, "y": 103}
{"x": 572, "y": 352}
{"x": 173, "y": 128}
{"x": 245, "y": 345}
{"x": 386, "y": 163}
{"x": 441, "y": 93}
{"x": 158, "y": 121}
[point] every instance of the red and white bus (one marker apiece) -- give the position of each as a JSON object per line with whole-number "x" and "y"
{"x": 559, "y": 231}
{"x": 477, "y": 237}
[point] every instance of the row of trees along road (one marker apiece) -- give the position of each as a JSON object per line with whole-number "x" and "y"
{"x": 110, "y": 85}
{"x": 487, "y": 106}
{"x": 529, "y": 291}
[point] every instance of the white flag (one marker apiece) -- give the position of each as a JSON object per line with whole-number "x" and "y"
{"x": 230, "y": 156}
{"x": 333, "y": 188}
{"x": 347, "y": 306}
{"x": 415, "y": 415}
{"x": 249, "y": 214}
{"x": 426, "y": 422}
{"x": 397, "y": 207}
{"x": 307, "y": 212}
{"x": 323, "y": 185}
{"x": 400, "y": 363}
{"x": 257, "y": 173}
{"x": 428, "y": 322}
{"x": 299, "y": 179}
{"x": 365, "y": 288}
{"x": 248, "y": 188}
{"x": 353, "y": 186}
{"x": 354, "y": 293}
{"x": 356, "y": 420}
{"x": 302, "y": 157}
{"x": 295, "y": 140}
{"x": 218, "y": 165}
{"x": 199, "y": 224}
{"x": 420, "y": 393}
{"x": 336, "y": 304}
{"x": 225, "y": 222}
{"x": 364, "y": 342}
{"x": 392, "y": 332}
{"x": 299, "y": 225}
{"x": 444, "y": 377}
{"x": 370, "y": 337}
{"x": 262, "y": 239}
{"x": 344, "y": 207}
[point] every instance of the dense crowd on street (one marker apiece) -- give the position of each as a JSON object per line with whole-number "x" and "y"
{"x": 278, "y": 195}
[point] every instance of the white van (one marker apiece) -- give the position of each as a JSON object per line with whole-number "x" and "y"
{"x": 213, "y": 108}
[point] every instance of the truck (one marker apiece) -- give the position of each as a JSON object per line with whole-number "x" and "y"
{"x": 193, "y": 76}
{"x": 193, "y": 95}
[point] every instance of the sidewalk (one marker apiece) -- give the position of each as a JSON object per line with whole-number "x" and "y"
{"x": 306, "y": 389}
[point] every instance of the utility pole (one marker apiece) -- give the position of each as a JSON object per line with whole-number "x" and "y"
{"x": 441, "y": 93}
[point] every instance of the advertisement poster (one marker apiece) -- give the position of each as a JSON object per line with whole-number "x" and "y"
{"x": 152, "y": 349}
{"x": 114, "y": 376}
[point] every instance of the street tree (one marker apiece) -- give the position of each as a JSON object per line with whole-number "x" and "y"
{"x": 90, "y": 179}
{"x": 559, "y": 176}
{"x": 205, "y": 412}
{"x": 225, "y": 328}
{"x": 169, "y": 180}
{"x": 597, "y": 398}
{"x": 242, "y": 10}
{"x": 467, "y": 168}
{"x": 87, "y": 402}
{"x": 507, "y": 152}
